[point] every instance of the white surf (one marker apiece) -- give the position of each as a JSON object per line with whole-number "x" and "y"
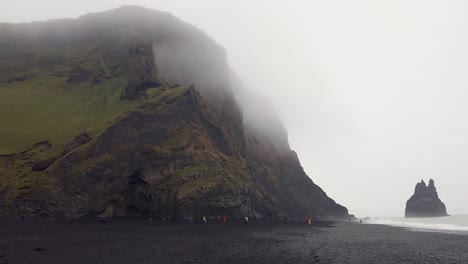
{"x": 447, "y": 224}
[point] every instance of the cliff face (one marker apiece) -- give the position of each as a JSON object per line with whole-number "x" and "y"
{"x": 122, "y": 129}
{"x": 425, "y": 202}
{"x": 168, "y": 157}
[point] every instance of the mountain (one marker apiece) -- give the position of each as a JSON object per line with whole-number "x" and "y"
{"x": 425, "y": 202}
{"x": 134, "y": 111}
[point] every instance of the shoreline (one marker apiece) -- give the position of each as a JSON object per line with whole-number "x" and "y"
{"x": 450, "y": 224}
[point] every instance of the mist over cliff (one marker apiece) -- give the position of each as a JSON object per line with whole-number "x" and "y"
{"x": 150, "y": 120}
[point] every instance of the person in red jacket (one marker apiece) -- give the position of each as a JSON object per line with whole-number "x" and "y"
{"x": 224, "y": 219}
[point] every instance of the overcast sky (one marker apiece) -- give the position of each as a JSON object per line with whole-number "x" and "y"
{"x": 373, "y": 93}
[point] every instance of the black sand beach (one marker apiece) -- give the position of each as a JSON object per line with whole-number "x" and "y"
{"x": 144, "y": 242}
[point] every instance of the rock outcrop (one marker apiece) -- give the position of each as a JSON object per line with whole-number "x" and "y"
{"x": 142, "y": 72}
{"x": 425, "y": 202}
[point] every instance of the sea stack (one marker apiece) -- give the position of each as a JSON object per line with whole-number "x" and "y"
{"x": 425, "y": 202}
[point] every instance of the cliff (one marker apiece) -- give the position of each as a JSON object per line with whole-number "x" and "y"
{"x": 134, "y": 110}
{"x": 425, "y": 202}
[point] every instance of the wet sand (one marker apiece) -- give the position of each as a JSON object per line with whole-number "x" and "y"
{"x": 144, "y": 242}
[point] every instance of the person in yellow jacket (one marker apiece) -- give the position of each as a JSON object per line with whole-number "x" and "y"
{"x": 309, "y": 221}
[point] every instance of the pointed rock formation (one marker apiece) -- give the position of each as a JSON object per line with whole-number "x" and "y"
{"x": 425, "y": 202}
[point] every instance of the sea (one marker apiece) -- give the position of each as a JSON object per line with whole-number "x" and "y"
{"x": 447, "y": 224}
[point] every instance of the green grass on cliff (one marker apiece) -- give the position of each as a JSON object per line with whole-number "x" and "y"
{"x": 49, "y": 108}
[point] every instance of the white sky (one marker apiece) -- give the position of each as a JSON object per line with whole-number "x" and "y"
{"x": 373, "y": 93}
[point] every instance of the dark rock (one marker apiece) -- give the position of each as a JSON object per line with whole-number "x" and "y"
{"x": 425, "y": 202}
{"x": 77, "y": 141}
{"x": 22, "y": 77}
{"x": 44, "y": 164}
{"x": 99, "y": 78}
{"x": 142, "y": 72}
{"x": 77, "y": 75}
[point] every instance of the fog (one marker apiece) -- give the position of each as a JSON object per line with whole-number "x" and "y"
{"x": 372, "y": 93}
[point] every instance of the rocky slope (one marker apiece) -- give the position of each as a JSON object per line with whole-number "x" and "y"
{"x": 425, "y": 202}
{"x": 133, "y": 111}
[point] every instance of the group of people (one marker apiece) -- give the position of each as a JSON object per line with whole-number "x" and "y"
{"x": 221, "y": 219}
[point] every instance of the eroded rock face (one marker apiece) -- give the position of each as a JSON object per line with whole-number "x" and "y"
{"x": 425, "y": 202}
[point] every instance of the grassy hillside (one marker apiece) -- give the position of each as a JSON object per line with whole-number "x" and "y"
{"x": 48, "y": 108}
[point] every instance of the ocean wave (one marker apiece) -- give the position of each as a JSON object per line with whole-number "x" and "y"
{"x": 449, "y": 224}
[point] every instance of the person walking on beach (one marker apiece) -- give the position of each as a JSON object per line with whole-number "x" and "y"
{"x": 246, "y": 220}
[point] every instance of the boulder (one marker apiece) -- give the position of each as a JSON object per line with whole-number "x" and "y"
{"x": 425, "y": 202}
